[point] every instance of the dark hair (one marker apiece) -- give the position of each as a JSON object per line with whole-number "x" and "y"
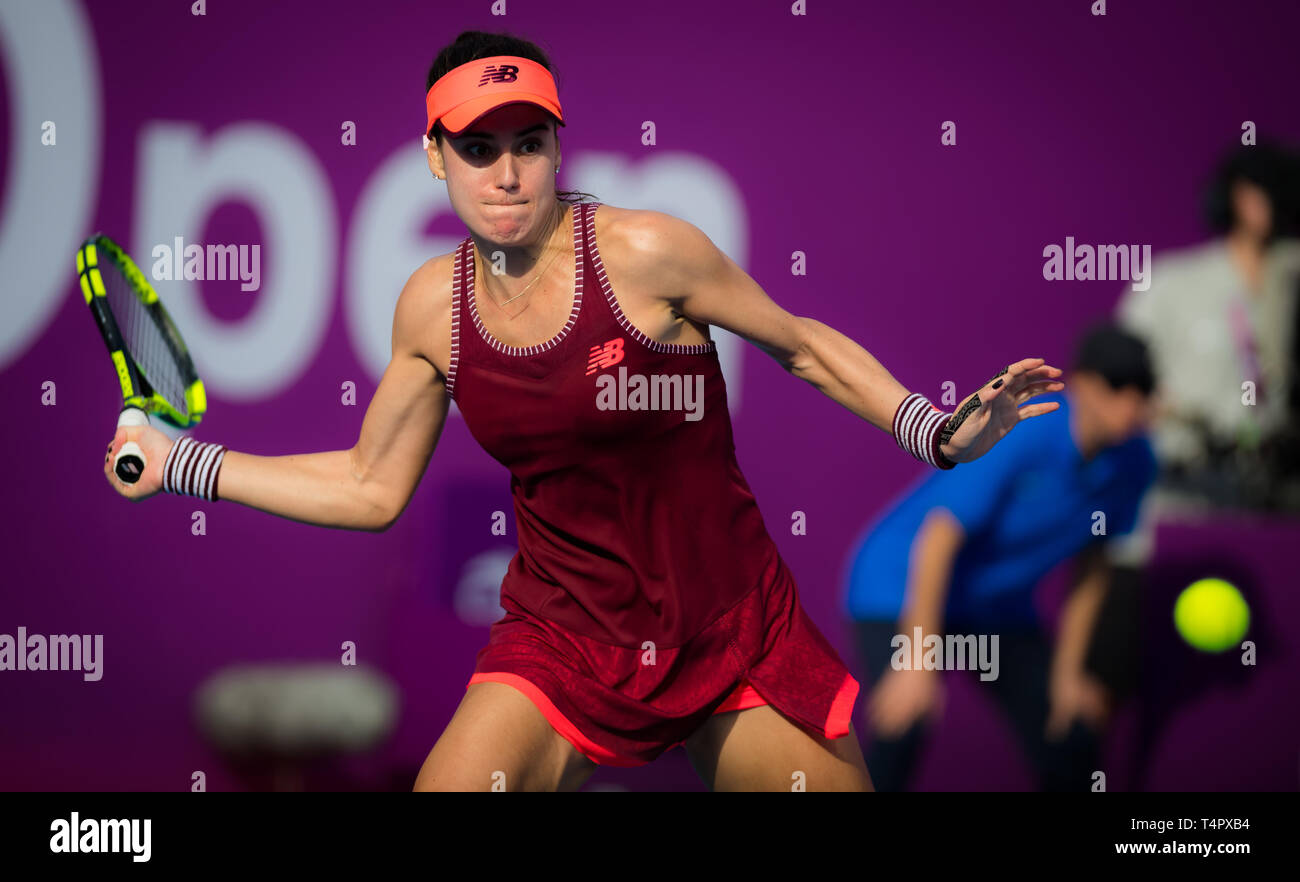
{"x": 1270, "y": 166}
{"x": 471, "y": 45}
{"x": 1117, "y": 356}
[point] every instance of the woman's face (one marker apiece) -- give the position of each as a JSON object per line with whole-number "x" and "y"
{"x": 500, "y": 174}
{"x": 1252, "y": 209}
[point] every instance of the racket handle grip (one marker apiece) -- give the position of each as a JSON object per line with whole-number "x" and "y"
{"x": 130, "y": 461}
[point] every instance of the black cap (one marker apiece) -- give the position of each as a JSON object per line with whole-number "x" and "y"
{"x": 1120, "y": 357}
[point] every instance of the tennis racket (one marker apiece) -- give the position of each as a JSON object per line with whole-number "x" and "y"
{"x": 153, "y": 365}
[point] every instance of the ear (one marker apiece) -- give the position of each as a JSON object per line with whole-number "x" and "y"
{"x": 435, "y": 159}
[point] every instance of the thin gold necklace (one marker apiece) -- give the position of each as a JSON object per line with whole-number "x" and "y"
{"x": 530, "y": 284}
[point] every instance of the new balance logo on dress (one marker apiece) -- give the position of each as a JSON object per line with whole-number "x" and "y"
{"x": 605, "y": 356}
{"x": 641, "y": 392}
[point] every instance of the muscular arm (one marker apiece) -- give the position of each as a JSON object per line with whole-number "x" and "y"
{"x": 700, "y": 282}
{"x": 368, "y": 486}
{"x": 691, "y": 274}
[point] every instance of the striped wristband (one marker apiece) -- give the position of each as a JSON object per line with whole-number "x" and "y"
{"x": 191, "y": 468}
{"x": 917, "y": 426}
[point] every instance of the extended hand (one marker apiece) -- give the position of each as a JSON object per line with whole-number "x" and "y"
{"x": 985, "y": 417}
{"x": 1076, "y": 696}
{"x": 901, "y": 698}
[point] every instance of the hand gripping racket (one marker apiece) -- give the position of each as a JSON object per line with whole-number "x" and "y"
{"x": 153, "y": 366}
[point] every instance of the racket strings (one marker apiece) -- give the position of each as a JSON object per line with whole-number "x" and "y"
{"x": 145, "y": 342}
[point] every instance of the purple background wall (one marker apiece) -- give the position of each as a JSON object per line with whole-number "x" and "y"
{"x": 825, "y": 127}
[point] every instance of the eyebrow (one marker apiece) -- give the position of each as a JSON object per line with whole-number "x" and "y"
{"x": 518, "y": 134}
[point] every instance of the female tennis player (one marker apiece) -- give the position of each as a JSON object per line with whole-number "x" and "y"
{"x": 647, "y": 605}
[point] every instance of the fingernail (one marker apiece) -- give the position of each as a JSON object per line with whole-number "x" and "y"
{"x": 997, "y": 385}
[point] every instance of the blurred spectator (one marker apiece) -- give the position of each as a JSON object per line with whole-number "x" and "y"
{"x": 1216, "y": 317}
{"x": 963, "y": 550}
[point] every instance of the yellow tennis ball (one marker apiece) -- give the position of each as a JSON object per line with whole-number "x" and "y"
{"x": 1211, "y": 615}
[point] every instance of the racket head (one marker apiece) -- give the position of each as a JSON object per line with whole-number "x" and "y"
{"x": 153, "y": 364}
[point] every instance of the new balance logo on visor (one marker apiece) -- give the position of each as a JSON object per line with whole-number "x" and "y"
{"x": 605, "y": 356}
{"x": 499, "y": 73}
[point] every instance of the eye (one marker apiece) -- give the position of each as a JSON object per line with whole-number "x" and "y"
{"x": 532, "y": 142}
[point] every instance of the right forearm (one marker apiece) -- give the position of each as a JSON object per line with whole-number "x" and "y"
{"x": 323, "y": 489}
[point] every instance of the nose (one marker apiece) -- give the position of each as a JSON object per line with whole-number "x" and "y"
{"x": 506, "y": 172}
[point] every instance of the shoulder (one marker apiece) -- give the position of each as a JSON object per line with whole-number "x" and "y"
{"x": 632, "y": 223}
{"x": 1173, "y": 270}
{"x": 644, "y": 240}
{"x": 1195, "y": 261}
{"x": 1174, "y": 276}
{"x": 422, "y": 318}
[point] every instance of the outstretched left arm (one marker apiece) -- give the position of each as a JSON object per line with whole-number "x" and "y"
{"x": 704, "y": 284}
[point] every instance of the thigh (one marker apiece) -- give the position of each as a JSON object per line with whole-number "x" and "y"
{"x": 759, "y": 749}
{"x": 498, "y": 737}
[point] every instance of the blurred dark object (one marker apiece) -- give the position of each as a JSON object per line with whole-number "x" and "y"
{"x": 1286, "y": 452}
{"x": 1260, "y": 474}
{"x": 1274, "y": 168}
{"x": 290, "y": 726}
{"x": 1112, "y": 655}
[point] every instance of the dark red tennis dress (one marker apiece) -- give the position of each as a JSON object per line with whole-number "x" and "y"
{"x": 646, "y": 594}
